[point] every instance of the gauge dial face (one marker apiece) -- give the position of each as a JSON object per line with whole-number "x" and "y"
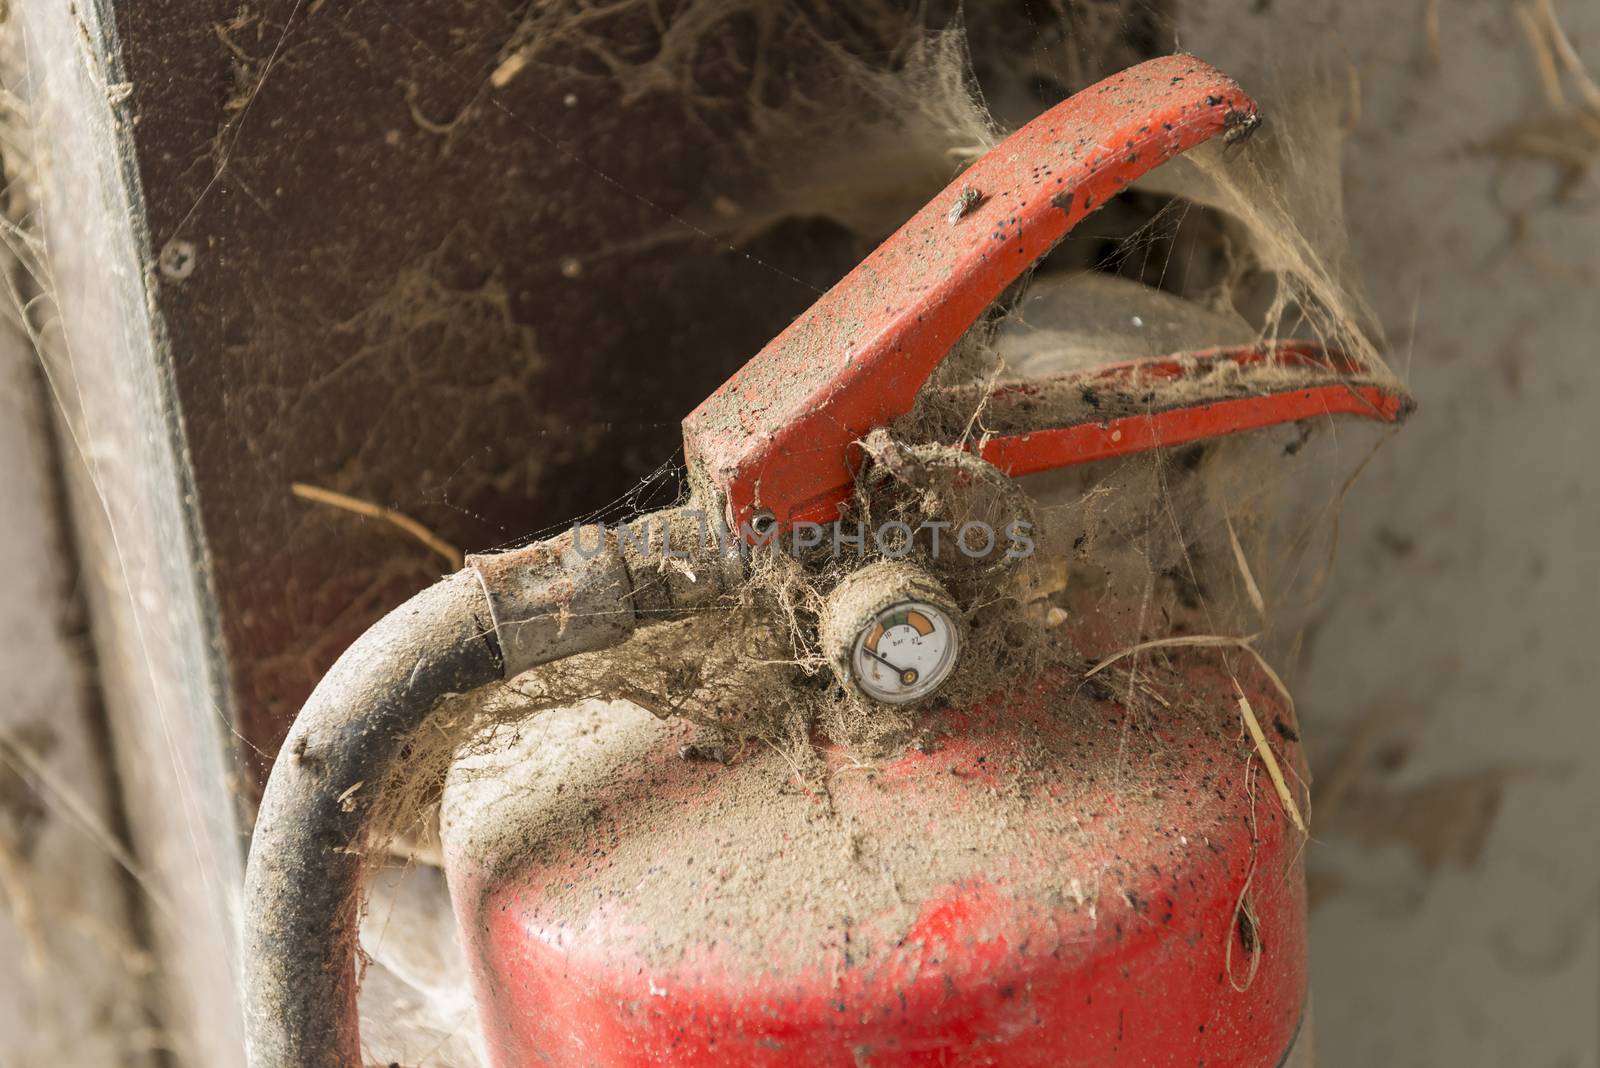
{"x": 905, "y": 653}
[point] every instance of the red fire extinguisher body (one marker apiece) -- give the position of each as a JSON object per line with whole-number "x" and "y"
{"x": 1057, "y": 880}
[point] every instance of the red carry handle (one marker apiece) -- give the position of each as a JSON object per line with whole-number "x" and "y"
{"x": 777, "y": 436}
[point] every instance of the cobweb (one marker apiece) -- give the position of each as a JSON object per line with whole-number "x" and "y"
{"x": 1231, "y": 539}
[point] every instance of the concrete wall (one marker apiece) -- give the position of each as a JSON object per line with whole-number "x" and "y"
{"x": 75, "y": 982}
{"x": 1450, "y": 687}
{"x": 131, "y": 502}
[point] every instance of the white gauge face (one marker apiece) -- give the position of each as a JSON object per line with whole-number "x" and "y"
{"x": 905, "y": 653}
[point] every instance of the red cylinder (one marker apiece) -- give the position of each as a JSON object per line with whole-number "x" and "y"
{"x": 1052, "y": 880}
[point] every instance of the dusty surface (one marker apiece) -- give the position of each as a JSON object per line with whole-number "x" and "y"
{"x": 1450, "y": 687}
{"x": 610, "y": 839}
{"x": 77, "y": 985}
{"x": 596, "y": 805}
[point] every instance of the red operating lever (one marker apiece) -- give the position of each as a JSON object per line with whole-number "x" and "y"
{"x": 779, "y": 435}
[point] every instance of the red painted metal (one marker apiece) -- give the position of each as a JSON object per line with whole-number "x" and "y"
{"x": 779, "y": 434}
{"x": 1128, "y": 950}
{"x": 1326, "y": 384}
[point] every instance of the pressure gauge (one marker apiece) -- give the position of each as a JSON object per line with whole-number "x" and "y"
{"x": 891, "y": 633}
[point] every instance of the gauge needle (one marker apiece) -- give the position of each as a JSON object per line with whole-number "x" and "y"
{"x": 907, "y": 675}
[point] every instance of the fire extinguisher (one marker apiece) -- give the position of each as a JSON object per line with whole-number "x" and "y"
{"x": 1141, "y": 967}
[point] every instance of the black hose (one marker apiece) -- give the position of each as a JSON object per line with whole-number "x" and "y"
{"x": 302, "y": 889}
{"x": 506, "y": 613}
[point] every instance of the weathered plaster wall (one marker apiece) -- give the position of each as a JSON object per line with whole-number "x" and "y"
{"x": 75, "y": 980}
{"x": 1450, "y": 685}
{"x": 140, "y": 556}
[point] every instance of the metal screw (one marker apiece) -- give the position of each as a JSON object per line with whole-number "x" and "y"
{"x": 177, "y": 260}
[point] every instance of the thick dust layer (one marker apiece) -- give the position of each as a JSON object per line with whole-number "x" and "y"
{"x": 658, "y": 841}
